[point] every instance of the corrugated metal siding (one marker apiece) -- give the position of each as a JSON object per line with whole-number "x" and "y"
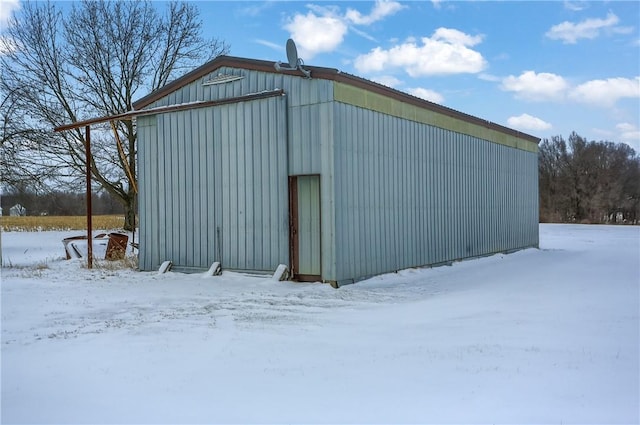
{"x": 409, "y": 194}
{"x": 366, "y": 99}
{"x": 162, "y": 173}
{"x": 300, "y": 91}
{"x": 148, "y": 170}
{"x": 395, "y": 192}
{"x": 309, "y": 110}
{"x": 305, "y": 138}
{"x": 214, "y": 187}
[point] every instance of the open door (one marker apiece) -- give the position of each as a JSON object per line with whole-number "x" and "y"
{"x": 304, "y": 232}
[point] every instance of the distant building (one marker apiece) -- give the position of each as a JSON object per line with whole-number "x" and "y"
{"x": 17, "y": 211}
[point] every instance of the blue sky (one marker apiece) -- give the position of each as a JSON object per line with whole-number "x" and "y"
{"x": 545, "y": 68}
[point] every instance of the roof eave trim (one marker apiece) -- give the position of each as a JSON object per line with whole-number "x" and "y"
{"x": 171, "y": 108}
{"x": 228, "y": 61}
{"x": 325, "y": 74}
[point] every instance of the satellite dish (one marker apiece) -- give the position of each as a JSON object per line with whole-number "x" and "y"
{"x": 292, "y": 53}
{"x": 295, "y": 63}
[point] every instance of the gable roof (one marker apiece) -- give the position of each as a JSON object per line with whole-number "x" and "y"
{"x": 325, "y": 74}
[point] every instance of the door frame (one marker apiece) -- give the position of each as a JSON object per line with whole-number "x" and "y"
{"x": 294, "y": 242}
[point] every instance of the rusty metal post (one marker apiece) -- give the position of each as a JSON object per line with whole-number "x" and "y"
{"x": 89, "y": 212}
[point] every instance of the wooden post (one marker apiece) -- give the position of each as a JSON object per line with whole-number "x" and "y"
{"x": 89, "y": 212}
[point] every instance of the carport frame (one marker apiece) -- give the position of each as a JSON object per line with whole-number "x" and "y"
{"x": 130, "y": 115}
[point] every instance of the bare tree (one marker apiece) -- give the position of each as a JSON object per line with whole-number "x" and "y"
{"x": 594, "y": 182}
{"x": 93, "y": 61}
{"x": 17, "y": 170}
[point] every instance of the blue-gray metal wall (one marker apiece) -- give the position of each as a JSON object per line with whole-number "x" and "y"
{"x": 198, "y": 170}
{"x": 409, "y": 194}
{"x": 394, "y": 193}
{"x": 215, "y": 188}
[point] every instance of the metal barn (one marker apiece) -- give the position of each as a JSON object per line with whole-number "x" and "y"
{"x": 335, "y": 176}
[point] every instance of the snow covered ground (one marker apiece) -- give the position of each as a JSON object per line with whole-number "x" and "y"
{"x": 538, "y": 336}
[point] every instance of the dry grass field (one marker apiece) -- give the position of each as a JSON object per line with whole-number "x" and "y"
{"x": 41, "y": 223}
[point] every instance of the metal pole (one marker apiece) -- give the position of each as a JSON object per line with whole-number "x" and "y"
{"x": 89, "y": 224}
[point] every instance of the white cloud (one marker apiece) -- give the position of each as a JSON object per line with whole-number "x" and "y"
{"x": 453, "y": 36}
{"x": 570, "y": 32}
{"x": 606, "y": 92}
{"x": 254, "y": 9}
{"x": 551, "y": 87}
{"x": 363, "y": 34}
{"x": 489, "y": 77}
{"x": 528, "y": 122}
{"x": 536, "y": 87}
{"x": 387, "y": 80}
{"x": 502, "y": 57}
{"x": 323, "y": 29}
{"x": 381, "y": 9}
{"x": 7, "y": 45}
{"x": 445, "y": 52}
{"x": 426, "y": 94}
{"x": 316, "y": 34}
{"x": 622, "y": 30}
{"x": 7, "y": 7}
{"x": 271, "y": 45}
{"x": 575, "y": 6}
{"x": 629, "y": 133}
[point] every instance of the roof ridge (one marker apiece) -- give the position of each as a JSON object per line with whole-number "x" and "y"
{"x": 326, "y": 74}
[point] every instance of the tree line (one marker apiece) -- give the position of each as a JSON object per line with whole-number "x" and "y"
{"x": 60, "y": 203}
{"x": 588, "y": 182}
